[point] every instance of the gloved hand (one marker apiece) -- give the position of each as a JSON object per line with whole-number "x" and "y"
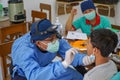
{"x": 87, "y": 60}
{"x": 69, "y": 56}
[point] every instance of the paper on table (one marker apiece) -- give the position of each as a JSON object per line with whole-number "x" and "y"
{"x": 76, "y": 35}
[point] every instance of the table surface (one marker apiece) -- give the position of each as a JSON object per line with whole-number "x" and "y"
{"x": 79, "y": 44}
{"x": 7, "y": 23}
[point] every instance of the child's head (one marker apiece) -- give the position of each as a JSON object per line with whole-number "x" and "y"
{"x": 103, "y": 40}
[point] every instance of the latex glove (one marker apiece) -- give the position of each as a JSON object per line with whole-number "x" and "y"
{"x": 69, "y": 56}
{"x": 87, "y": 60}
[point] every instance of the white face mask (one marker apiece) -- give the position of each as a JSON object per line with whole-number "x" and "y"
{"x": 90, "y": 15}
{"x": 53, "y": 46}
{"x": 92, "y": 57}
{"x": 87, "y": 60}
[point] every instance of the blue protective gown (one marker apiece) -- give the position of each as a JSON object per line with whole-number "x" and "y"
{"x": 30, "y": 62}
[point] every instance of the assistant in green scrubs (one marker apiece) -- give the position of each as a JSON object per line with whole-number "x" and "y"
{"x": 90, "y": 20}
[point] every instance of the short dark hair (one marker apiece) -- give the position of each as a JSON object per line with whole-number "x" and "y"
{"x": 105, "y": 40}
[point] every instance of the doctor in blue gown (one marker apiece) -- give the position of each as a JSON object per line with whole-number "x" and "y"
{"x": 32, "y": 55}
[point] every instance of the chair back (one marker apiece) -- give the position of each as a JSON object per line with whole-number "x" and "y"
{"x": 46, "y": 7}
{"x": 37, "y": 14}
{"x": 5, "y": 50}
{"x": 116, "y": 27}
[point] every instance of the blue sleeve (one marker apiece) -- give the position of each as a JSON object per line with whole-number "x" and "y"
{"x": 64, "y": 46}
{"x": 78, "y": 60}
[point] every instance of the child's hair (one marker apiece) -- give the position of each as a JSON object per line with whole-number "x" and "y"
{"x": 105, "y": 40}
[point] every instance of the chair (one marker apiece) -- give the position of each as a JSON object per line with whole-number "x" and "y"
{"x": 12, "y": 31}
{"x": 35, "y": 16}
{"x": 105, "y": 9}
{"x": 116, "y": 27}
{"x": 5, "y": 50}
{"x": 46, "y": 7}
{"x": 38, "y": 14}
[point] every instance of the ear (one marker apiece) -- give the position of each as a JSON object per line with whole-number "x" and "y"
{"x": 37, "y": 43}
{"x": 96, "y": 51}
{"x": 40, "y": 45}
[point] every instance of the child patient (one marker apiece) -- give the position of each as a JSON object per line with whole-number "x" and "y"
{"x": 100, "y": 44}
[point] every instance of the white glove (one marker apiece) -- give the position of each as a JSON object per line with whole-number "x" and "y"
{"x": 69, "y": 56}
{"x": 87, "y": 60}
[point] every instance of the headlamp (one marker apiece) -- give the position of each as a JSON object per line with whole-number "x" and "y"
{"x": 52, "y": 29}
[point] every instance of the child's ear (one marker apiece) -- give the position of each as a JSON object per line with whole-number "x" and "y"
{"x": 96, "y": 50}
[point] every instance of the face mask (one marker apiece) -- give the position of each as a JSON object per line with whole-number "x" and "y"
{"x": 90, "y": 15}
{"x": 53, "y": 46}
{"x": 92, "y": 57}
{"x": 87, "y": 60}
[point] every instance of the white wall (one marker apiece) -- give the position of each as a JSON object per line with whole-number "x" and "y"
{"x": 5, "y": 3}
{"x": 117, "y": 15}
{"x": 34, "y": 5}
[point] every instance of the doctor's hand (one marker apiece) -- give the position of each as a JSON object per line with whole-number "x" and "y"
{"x": 69, "y": 56}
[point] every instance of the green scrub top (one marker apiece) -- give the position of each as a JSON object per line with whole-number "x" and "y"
{"x": 86, "y": 28}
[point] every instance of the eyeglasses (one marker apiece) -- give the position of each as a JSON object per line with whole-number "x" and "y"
{"x": 49, "y": 40}
{"x": 52, "y": 38}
